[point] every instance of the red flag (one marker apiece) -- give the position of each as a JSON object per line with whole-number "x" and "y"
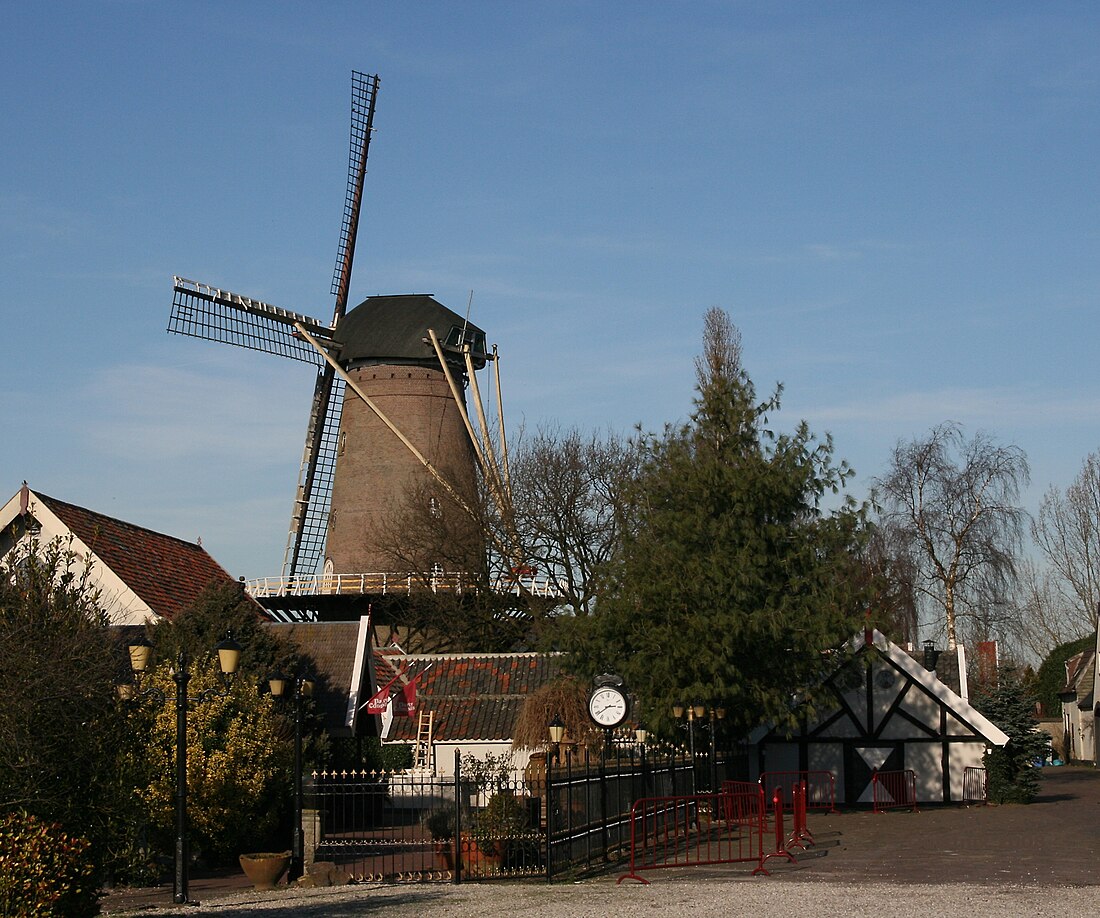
{"x": 377, "y": 702}
{"x": 404, "y": 704}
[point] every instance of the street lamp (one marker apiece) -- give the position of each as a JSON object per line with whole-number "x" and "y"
{"x": 229, "y": 659}
{"x": 679, "y": 709}
{"x": 301, "y": 687}
{"x": 557, "y": 734}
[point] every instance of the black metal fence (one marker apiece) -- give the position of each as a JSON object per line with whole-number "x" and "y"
{"x": 591, "y": 797}
{"x": 489, "y": 820}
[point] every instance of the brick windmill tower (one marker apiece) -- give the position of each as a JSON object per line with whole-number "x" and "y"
{"x": 389, "y": 407}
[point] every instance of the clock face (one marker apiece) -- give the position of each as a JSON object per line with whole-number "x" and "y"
{"x": 607, "y": 706}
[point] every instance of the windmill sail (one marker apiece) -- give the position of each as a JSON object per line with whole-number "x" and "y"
{"x": 309, "y": 520}
{"x": 202, "y": 311}
{"x": 364, "y": 90}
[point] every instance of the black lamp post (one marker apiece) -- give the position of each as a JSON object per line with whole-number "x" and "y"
{"x": 229, "y": 659}
{"x": 694, "y": 712}
{"x": 716, "y": 714}
{"x": 557, "y": 734}
{"x": 301, "y": 686}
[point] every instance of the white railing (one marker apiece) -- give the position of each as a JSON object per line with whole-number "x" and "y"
{"x": 394, "y": 583}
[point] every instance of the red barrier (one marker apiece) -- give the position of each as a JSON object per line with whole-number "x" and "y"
{"x": 975, "y": 791}
{"x": 677, "y": 832}
{"x": 892, "y": 790}
{"x": 780, "y": 834}
{"x": 820, "y": 787}
{"x": 800, "y": 832}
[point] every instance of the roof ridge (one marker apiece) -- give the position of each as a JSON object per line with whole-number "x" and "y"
{"x": 52, "y": 501}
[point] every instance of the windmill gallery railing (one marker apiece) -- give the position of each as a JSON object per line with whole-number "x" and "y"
{"x": 402, "y": 584}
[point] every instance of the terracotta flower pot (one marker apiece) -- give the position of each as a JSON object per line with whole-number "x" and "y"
{"x": 264, "y": 870}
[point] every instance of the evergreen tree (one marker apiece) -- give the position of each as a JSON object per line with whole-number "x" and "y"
{"x": 61, "y": 725}
{"x": 731, "y": 580}
{"x": 1051, "y": 678}
{"x": 1011, "y": 775}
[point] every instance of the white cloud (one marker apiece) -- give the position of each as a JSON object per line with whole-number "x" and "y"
{"x": 979, "y": 407}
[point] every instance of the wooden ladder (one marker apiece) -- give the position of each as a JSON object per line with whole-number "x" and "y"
{"x": 422, "y": 751}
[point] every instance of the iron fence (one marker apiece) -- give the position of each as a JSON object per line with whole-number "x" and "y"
{"x": 488, "y": 820}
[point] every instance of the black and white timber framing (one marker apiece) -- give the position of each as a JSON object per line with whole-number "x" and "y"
{"x": 881, "y": 710}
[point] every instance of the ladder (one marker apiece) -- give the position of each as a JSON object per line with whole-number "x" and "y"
{"x": 422, "y": 751}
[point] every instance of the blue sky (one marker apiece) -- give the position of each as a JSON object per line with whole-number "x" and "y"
{"x": 895, "y": 202}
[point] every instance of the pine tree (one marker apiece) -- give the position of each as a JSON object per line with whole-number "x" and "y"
{"x": 731, "y": 580}
{"x": 1011, "y": 775}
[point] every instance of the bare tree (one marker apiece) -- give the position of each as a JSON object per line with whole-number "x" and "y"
{"x": 567, "y": 491}
{"x": 953, "y": 500}
{"x": 891, "y": 574}
{"x": 564, "y": 521}
{"x": 1043, "y": 617}
{"x": 1067, "y": 531}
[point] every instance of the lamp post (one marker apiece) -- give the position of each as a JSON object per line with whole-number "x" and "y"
{"x": 302, "y": 686}
{"x": 229, "y": 659}
{"x": 557, "y": 734}
{"x": 694, "y": 712}
{"x": 716, "y": 714}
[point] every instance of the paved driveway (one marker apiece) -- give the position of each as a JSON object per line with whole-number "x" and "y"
{"x": 957, "y": 863}
{"x": 1053, "y": 841}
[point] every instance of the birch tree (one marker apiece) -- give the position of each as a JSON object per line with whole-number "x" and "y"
{"x": 954, "y": 501}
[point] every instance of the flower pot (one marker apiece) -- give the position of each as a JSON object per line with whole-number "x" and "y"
{"x": 264, "y": 870}
{"x": 445, "y": 853}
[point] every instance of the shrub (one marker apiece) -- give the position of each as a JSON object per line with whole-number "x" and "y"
{"x": 1012, "y": 775}
{"x": 43, "y": 871}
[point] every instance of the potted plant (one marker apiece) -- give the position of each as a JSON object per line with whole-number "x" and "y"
{"x": 264, "y": 869}
{"x": 499, "y": 828}
{"x": 440, "y": 824}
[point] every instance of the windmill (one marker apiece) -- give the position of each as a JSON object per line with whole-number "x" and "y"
{"x": 388, "y": 402}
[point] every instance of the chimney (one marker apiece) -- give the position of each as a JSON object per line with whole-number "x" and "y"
{"x": 931, "y": 655}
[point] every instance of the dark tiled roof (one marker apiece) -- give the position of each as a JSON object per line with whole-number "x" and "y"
{"x": 331, "y": 647}
{"x": 1080, "y": 670}
{"x": 946, "y": 668}
{"x": 473, "y": 697}
{"x": 169, "y": 574}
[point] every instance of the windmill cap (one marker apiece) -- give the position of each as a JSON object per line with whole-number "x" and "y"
{"x": 394, "y": 329}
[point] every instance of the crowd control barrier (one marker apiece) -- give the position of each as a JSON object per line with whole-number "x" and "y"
{"x": 696, "y": 830}
{"x": 800, "y": 836}
{"x": 893, "y": 790}
{"x": 975, "y": 791}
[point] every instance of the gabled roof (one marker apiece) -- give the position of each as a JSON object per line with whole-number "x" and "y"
{"x": 846, "y": 719}
{"x": 959, "y": 706}
{"x": 143, "y": 574}
{"x": 1080, "y": 679}
{"x": 474, "y": 697}
{"x": 339, "y": 652}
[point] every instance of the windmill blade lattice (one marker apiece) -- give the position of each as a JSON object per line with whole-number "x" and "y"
{"x": 364, "y": 90}
{"x": 305, "y": 546}
{"x": 201, "y": 311}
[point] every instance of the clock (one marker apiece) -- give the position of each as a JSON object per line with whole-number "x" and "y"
{"x": 607, "y": 706}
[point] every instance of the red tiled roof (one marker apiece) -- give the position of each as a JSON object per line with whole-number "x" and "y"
{"x": 167, "y": 573}
{"x": 473, "y": 697}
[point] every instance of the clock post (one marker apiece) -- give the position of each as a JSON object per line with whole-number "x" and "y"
{"x": 608, "y": 705}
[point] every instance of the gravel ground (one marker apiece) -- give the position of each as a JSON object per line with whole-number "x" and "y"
{"x": 760, "y": 897}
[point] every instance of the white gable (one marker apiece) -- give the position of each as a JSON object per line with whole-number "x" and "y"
{"x": 123, "y": 605}
{"x": 962, "y": 712}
